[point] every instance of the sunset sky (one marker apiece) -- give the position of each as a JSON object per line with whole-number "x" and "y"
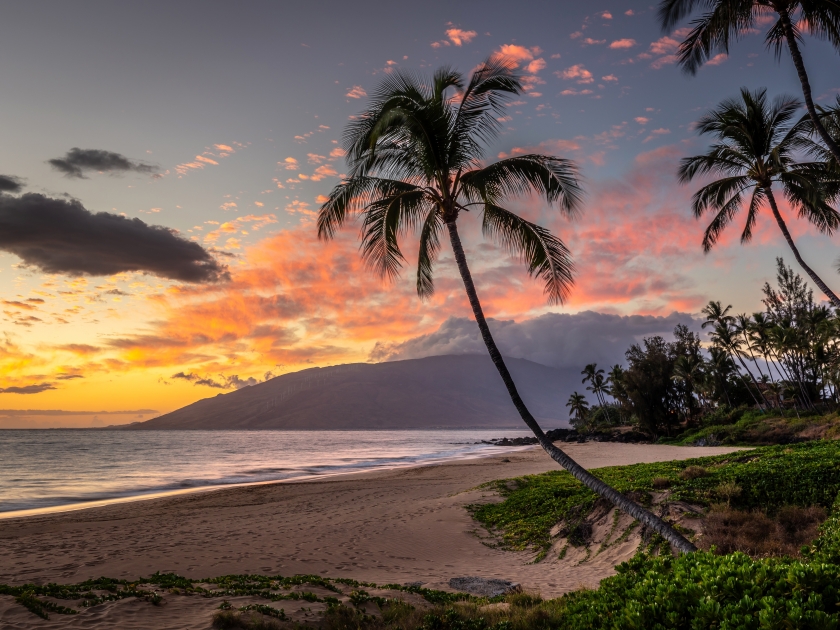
{"x": 229, "y": 119}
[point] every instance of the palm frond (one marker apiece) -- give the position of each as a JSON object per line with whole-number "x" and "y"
{"x": 556, "y": 179}
{"x": 429, "y": 249}
{"x": 384, "y": 220}
{"x": 756, "y": 200}
{"x": 352, "y": 196}
{"x": 545, "y": 255}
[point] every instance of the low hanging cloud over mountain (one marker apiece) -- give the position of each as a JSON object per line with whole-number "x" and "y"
{"x": 556, "y": 339}
{"x": 224, "y": 382}
{"x": 79, "y": 161}
{"x": 62, "y": 236}
{"x": 10, "y": 184}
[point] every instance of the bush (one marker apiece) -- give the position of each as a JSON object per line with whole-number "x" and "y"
{"x": 758, "y": 535}
{"x": 693, "y": 472}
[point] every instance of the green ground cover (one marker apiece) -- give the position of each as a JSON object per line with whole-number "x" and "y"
{"x": 767, "y": 478}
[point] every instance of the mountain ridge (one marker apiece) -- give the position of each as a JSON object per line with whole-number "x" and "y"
{"x": 438, "y": 392}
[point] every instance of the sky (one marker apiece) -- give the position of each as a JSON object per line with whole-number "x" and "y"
{"x": 210, "y": 133}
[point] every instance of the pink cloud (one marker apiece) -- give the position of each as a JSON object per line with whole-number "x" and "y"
{"x": 592, "y": 42}
{"x": 459, "y": 37}
{"x": 609, "y": 77}
{"x": 623, "y": 43}
{"x": 578, "y": 72}
{"x": 535, "y": 66}
{"x": 642, "y": 120}
{"x": 663, "y": 61}
{"x": 515, "y": 55}
{"x": 664, "y": 46}
{"x": 356, "y": 92}
{"x": 325, "y": 170}
{"x": 717, "y": 59}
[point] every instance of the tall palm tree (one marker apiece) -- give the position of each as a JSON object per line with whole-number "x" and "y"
{"x": 578, "y": 409}
{"x": 756, "y": 148}
{"x": 725, "y": 20}
{"x": 416, "y": 160}
{"x": 597, "y": 385}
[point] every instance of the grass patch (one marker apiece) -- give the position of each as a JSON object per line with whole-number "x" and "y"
{"x": 767, "y": 478}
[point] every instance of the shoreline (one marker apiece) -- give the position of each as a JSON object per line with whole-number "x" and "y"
{"x": 387, "y": 526}
{"x": 162, "y": 494}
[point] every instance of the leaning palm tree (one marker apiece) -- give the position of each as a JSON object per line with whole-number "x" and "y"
{"x": 416, "y": 161}
{"x": 725, "y": 20}
{"x": 756, "y": 149}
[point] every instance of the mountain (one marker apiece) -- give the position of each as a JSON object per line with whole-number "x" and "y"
{"x": 447, "y": 392}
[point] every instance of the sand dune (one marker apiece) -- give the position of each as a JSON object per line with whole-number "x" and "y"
{"x": 395, "y": 526}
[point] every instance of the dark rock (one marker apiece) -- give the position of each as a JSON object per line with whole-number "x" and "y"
{"x": 413, "y": 584}
{"x": 484, "y": 587}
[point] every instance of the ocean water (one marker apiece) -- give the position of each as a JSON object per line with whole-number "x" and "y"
{"x": 70, "y": 468}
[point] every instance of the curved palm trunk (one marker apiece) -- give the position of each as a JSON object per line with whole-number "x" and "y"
{"x": 796, "y": 55}
{"x": 578, "y": 472}
{"x": 817, "y": 280}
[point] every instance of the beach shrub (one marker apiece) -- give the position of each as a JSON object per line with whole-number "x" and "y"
{"x": 805, "y": 474}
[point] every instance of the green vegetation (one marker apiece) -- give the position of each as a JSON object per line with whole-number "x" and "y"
{"x": 270, "y": 587}
{"x": 803, "y": 474}
{"x": 767, "y": 378}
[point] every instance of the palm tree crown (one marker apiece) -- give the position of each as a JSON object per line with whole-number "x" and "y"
{"x": 728, "y": 20}
{"x": 416, "y": 161}
{"x": 757, "y": 148}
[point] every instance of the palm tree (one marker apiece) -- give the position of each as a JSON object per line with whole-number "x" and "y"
{"x": 688, "y": 369}
{"x": 716, "y": 314}
{"x": 756, "y": 149}
{"x": 578, "y": 410}
{"x": 416, "y": 160}
{"x": 732, "y": 19}
{"x": 597, "y": 385}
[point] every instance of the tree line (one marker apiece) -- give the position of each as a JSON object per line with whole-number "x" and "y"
{"x": 785, "y": 357}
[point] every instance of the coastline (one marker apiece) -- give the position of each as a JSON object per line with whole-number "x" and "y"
{"x": 167, "y": 493}
{"x": 400, "y": 525}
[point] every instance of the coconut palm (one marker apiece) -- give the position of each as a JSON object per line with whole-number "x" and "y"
{"x": 416, "y": 161}
{"x": 725, "y": 20}
{"x": 578, "y": 410}
{"x": 597, "y": 385}
{"x": 755, "y": 150}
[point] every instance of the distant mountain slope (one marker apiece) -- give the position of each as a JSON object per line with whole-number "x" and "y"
{"x": 452, "y": 391}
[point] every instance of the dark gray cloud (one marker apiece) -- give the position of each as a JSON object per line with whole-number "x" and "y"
{"x": 61, "y": 236}
{"x": 10, "y": 184}
{"x": 556, "y": 339}
{"x": 27, "y": 389}
{"x": 79, "y": 161}
{"x": 224, "y": 382}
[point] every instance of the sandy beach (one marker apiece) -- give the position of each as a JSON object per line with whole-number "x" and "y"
{"x": 404, "y": 525}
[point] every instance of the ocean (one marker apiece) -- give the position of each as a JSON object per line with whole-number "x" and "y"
{"x": 66, "y": 468}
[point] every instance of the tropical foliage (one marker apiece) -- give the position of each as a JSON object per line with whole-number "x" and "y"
{"x": 725, "y": 21}
{"x": 783, "y": 359}
{"x": 758, "y": 147}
